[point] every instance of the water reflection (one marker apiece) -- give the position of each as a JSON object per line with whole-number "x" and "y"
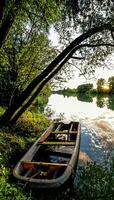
{"x": 110, "y": 102}
{"x": 85, "y": 97}
{"x": 100, "y": 101}
{"x": 96, "y": 142}
{"x": 97, "y": 119}
{"x": 71, "y": 107}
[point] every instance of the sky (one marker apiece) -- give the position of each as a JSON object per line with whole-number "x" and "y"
{"x": 99, "y": 73}
{"x": 78, "y": 80}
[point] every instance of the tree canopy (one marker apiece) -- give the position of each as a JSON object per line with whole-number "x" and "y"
{"x": 74, "y": 22}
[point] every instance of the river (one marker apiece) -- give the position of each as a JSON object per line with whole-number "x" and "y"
{"x": 96, "y": 116}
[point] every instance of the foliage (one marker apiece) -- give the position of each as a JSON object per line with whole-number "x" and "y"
{"x": 11, "y": 147}
{"x": 106, "y": 90}
{"x": 9, "y": 191}
{"x": 110, "y": 102}
{"x": 67, "y": 92}
{"x": 100, "y": 101}
{"x": 79, "y": 17}
{"x": 111, "y": 83}
{"x": 44, "y": 12}
{"x": 21, "y": 59}
{"x": 97, "y": 182}
{"x": 100, "y": 84}
{"x": 41, "y": 100}
{"x": 14, "y": 141}
{"x": 85, "y": 97}
{"x": 31, "y": 124}
{"x": 84, "y": 88}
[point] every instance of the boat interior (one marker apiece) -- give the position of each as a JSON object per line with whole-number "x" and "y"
{"x": 54, "y": 153}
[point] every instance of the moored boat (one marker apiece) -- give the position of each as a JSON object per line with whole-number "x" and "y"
{"x": 52, "y": 159}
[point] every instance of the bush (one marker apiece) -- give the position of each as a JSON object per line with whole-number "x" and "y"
{"x": 9, "y": 191}
{"x": 31, "y": 124}
{"x": 84, "y": 88}
{"x": 97, "y": 182}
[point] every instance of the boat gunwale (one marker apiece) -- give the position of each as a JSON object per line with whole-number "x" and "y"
{"x": 56, "y": 182}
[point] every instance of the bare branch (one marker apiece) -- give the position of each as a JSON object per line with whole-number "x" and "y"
{"x": 76, "y": 67}
{"x": 78, "y": 58}
{"x": 97, "y": 45}
{"x": 70, "y": 63}
{"x": 112, "y": 35}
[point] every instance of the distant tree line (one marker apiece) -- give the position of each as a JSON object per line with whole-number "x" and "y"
{"x": 102, "y": 87}
{"x": 105, "y": 87}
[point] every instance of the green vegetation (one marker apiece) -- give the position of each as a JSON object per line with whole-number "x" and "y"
{"x": 85, "y": 92}
{"x": 84, "y": 88}
{"x": 111, "y": 84}
{"x": 97, "y": 182}
{"x": 67, "y": 92}
{"x": 9, "y": 191}
{"x": 102, "y": 87}
{"x": 14, "y": 142}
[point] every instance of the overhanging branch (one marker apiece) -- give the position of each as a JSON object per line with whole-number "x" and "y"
{"x": 78, "y": 58}
{"x": 112, "y": 35}
{"x": 97, "y": 45}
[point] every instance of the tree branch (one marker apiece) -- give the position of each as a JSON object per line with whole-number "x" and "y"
{"x": 112, "y": 35}
{"x": 78, "y": 58}
{"x": 97, "y": 45}
{"x": 76, "y": 68}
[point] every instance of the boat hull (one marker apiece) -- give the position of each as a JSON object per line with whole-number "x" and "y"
{"x": 51, "y": 161}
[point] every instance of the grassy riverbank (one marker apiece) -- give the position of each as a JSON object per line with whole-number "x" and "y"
{"x": 14, "y": 142}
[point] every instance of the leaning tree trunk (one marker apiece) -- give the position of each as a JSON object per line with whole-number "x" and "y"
{"x": 2, "y": 7}
{"x": 17, "y": 104}
{"x": 43, "y": 83}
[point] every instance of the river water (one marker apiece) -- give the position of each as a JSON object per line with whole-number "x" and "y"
{"x": 96, "y": 116}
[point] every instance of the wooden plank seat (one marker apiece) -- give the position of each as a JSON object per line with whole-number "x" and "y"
{"x": 57, "y": 143}
{"x": 44, "y": 163}
{"x": 62, "y": 132}
{"x": 41, "y": 169}
{"x": 29, "y": 165}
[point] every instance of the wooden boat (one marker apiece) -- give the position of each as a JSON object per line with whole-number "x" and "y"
{"x": 52, "y": 159}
